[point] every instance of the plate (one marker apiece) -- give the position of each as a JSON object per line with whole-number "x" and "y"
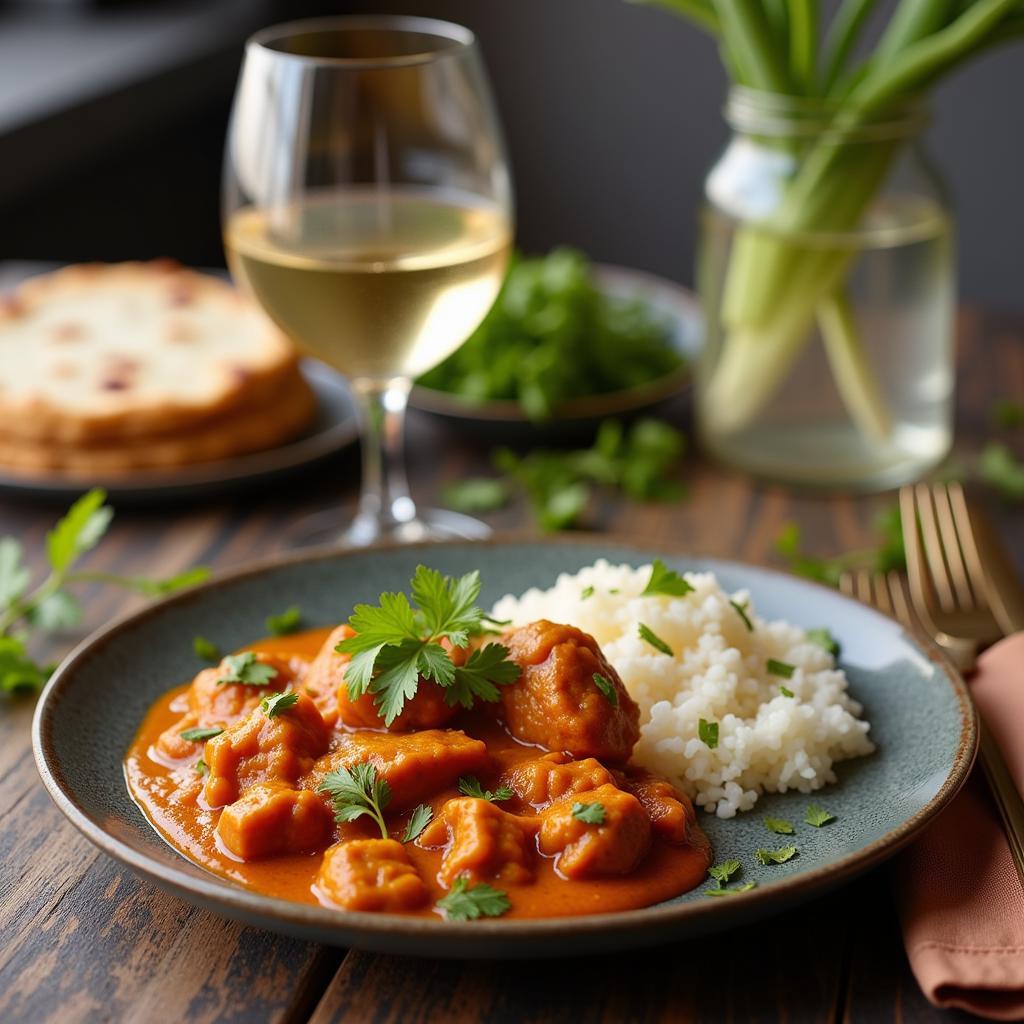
{"x": 505, "y": 420}
{"x": 333, "y": 429}
{"x": 922, "y": 722}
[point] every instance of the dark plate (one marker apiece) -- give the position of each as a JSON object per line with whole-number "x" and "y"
{"x": 504, "y": 420}
{"x": 333, "y": 429}
{"x": 922, "y": 722}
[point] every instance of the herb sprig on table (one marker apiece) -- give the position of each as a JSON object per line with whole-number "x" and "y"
{"x": 27, "y": 614}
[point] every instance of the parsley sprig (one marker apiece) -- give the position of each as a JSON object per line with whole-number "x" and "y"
{"x": 397, "y": 643}
{"x": 245, "y": 668}
{"x": 358, "y": 791}
{"x": 466, "y": 902}
{"x": 469, "y": 785}
{"x": 419, "y": 819}
{"x": 665, "y": 581}
{"x": 26, "y": 614}
{"x": 589, "y": 814}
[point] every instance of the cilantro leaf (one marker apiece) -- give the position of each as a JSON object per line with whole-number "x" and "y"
{"x": 825, "y": 640}
{"x": 466, "y": 902}
{"x": 276, "y": 703}
{"x": 245, "y": 668}
{"x": 721, "y": 873}
{"x": 779, "y": 856}
{"x": 589, "y": 814}
{"x": 779, "y": 826}
{"x": 419, "y": 819}
{"x": 741, "y": 611}
{"x": 198, "y": 735}
{"x": 59, "y": 610}
{"x": 818, "y": 816}
{"x": 649, "y": 636}
{"x": 287, "y": 622}
{"x": 586, "y": 592}
{"x": 469, "y": 785}
{"x": 18, "y": 672}
{"x": 665, "y": 581}
{"x": 485, "y": 670}
{"x": 708, "y": 733}
{"x": 205, "y": 649}
{"x": 780, "y": 668}
{"x": 201, "y": 768}
{"x": 14, "y": 577}
{"x": 607, "y": 688}
{"x": 357, "y": 791}
{"x": 447, "y": 605}
{"x": 79, "y": 530}
{"x": 786, "y": 691}
{"x": 734, "y": 891}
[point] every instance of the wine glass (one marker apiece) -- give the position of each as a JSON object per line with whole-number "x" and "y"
{"x": 368, "y": 207}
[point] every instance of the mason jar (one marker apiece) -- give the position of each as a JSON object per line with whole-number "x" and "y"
{"x": 825, "y": 268}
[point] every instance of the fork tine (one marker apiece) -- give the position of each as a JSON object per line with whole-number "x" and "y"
{"x": 863, "y": 590}
{"x": 968, "y": 545}
{"x": 916, "y": 571}
{"x": 933, "y": 552}
{"x": 952, "y": 544}
{"x": 881, "y": 598}
{"x": 900, "y": 598}
{"x": 846, "y": 584}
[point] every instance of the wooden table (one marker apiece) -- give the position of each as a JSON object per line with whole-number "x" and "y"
{"x": 84, "y": 940}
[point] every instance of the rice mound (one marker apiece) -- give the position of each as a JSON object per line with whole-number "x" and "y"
{"x": 767, "y": 742}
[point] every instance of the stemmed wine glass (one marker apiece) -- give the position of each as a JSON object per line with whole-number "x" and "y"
{"x": 368, "y": 207}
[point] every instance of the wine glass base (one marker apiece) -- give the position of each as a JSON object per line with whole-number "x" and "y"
{"x": 321, "y": 528}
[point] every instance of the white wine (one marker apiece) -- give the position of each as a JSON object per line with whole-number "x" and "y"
{"x": 377, "y": 284}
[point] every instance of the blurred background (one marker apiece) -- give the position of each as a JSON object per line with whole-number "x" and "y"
{"x": 113, "y": 115}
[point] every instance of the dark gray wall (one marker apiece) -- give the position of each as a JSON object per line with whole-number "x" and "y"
{"x": 612, "y": 116}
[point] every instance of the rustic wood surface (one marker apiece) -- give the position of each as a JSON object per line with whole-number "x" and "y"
{"x": 84, "y": 940}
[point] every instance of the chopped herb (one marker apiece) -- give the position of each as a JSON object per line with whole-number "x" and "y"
{"x": 780, "y": 668}
{"x": 786, "y": 691}
{"x": 607, "y": 688}
{"x": 614, "y": 590}
{"x": 665, "y": 581}
{"x": 999, "y": 468}
{"x": 818, "y": 816}
{"x": 466, "y": 902}
{"x": 721, "y": 873}
{"x": 274, "y": 704}
{"x": 419, "y": 819}
{"x": 357, "y": 791}
{"x": 586, "y": 592}
{"x": 1008, "y": 413}
{"x": 197, "y": 735}
{"x": 779, "y": 826}
{"x": 734, "y": 891}
{"x": 287, "y": 622}
{"x": 469, "y": 785}
{"x": 245, "y": 668}
{"x": 202, "y": 768}
{"x": 708, "y": 733}
{"x": 825, "y": 640}
{"x": 589, "y": 814}
{"x": 395, "y": 645}
{"x": 205, "y": 649}
{"x": 653, "y": 639}
{"x": 741, "y": 611}
{"x": 779, "y": 856}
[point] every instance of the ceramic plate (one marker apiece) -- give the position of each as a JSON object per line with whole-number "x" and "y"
{"x": 333, "y": 429}
{"x": 922, "y": 722}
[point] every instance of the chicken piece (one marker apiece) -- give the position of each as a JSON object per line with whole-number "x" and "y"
{"x": 213, "y": 703}
{"x": 582, "y": 850}
{"x": 542, "y": 781}
{"x": 483, "y": 842}
{"x": 557, "y": 704}
{"x": 261, "y": 749}
{"x": 415, "y": 765}
{"x": 271, "y": 819}
{"x": 671, "y": 812}
{"x": 370, "y": 874}
{"x": 325, "y": 672}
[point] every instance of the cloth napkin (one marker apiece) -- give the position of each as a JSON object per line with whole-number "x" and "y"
{"x": 960, "y": 900}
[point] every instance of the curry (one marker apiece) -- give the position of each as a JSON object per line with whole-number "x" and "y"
{"x": 273, "y": 770}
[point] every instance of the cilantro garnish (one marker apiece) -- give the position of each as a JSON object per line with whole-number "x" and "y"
{"x": 287, "y": 622}
{"x": 466, "y": 902}
{"x": 818, "y": 816}
{"x": 419, "y": 819}
{"x": 197, "y": 735}
{"x": 246, "y": 669}
{"x": 825, "y": 640}
{"x": 357, "y": 791}
{"x": 741, "y": 611}
{"x": 786, "y": 691}
{"x": 469, "y": 785}
{"x": 275, "y": 703}
{"x": 721, "y": 873}
{"x": 780, "y": 668}
{"x": 779, "y": 826}
{"x": 396, "y": 644}
{"x": 589, "y": 814}
{"x": 607, "y": 688}
{"x": 202, "y": 768}
{"x": 708, "y": 733}
{"x": 649, "y": 636}
{"x": 205, "y": 649}
{"x": 665, "y": 581}
{"x": 779, "y": 856}
{"x": 586, "y": 592}
{"x": 734, "y": 891}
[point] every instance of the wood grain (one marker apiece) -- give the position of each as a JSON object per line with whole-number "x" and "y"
{"x": 83, "y": 940}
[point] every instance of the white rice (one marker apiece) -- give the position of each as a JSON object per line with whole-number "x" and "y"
{"x": 718, "y": 671}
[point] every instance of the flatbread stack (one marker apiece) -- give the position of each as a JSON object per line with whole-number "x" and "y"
{"x": 109, "y": 369}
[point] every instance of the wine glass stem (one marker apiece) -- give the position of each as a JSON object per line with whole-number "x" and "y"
{"x": 384, "y": 502}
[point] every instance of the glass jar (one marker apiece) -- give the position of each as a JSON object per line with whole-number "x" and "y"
{"x": 825, "y": 268}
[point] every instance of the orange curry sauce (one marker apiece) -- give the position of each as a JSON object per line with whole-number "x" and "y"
{"x": 170, "y": 793}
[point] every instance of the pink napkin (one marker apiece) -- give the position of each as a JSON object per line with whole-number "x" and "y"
{"x": 959, "y": 896}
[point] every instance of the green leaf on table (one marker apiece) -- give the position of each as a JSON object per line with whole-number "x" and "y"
{"x": 14, "y": 577}
{"x": 467, "y": 903}
{"x": 999, "y": 468}
{"x": 59, "y": 610}
{"x": 286, "y": 622}
{"x": 19, "y": 673}
{"x": 79, "y": 530}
